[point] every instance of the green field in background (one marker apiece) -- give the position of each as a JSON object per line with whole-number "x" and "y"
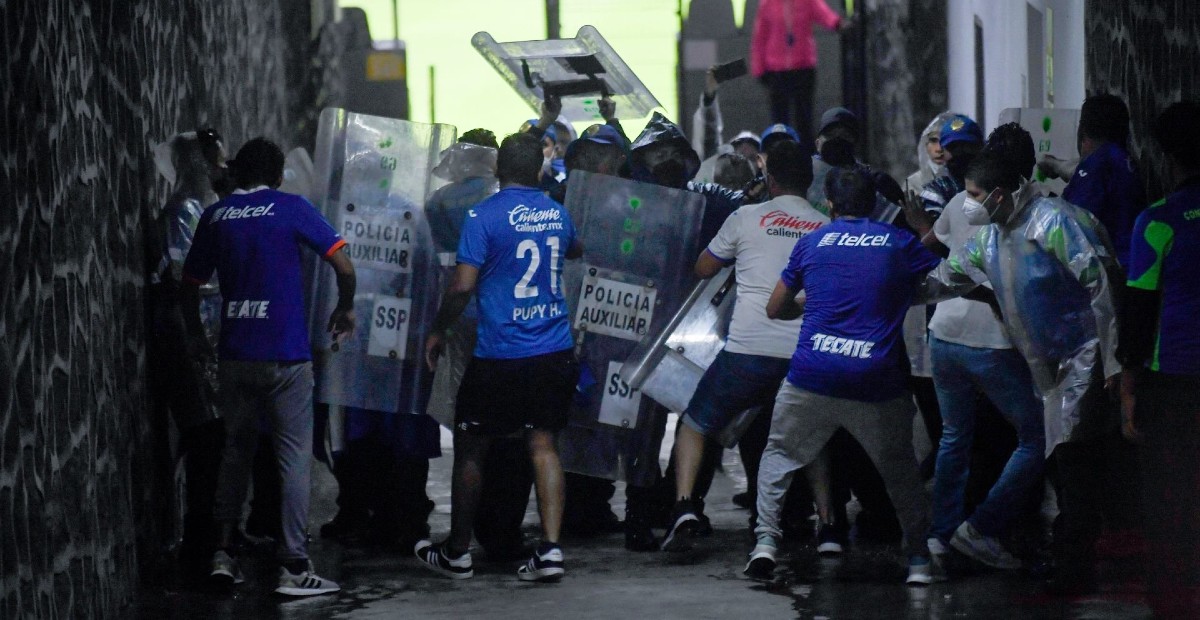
{"x": 470, "y": 94}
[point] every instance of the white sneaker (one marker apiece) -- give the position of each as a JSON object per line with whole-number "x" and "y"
{"x": 984, "y": 549}
{"x": 307, "y": 583}
{"x": 761, "y": 566}
{"x": 920, "y": 571}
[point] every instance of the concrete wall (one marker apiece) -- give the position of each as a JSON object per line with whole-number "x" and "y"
{"x": 1146, "y": 52}
{"x": 1014, "y": 56}
{"x": 88, "y": 86}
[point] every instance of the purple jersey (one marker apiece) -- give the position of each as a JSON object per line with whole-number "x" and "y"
{"x": 859, "y": 277}
{"x": 252, "y": 240}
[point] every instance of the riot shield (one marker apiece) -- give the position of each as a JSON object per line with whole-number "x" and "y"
{"x": 373, "y": 175}
{"x": 668, "y": 366}
{"x": 579, "y": 70}
{"x": 640, "y": 242}
{"x": 471, "y": 171}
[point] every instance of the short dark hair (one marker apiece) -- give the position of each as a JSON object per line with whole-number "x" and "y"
{"x": 850, "y": 191}
{"x": 1177, "y": 131}
{"x": 592, "y": 156}
{"x": 480, "y": 137}
{"x": 519, "y": 160}
{"x": 258, "y": 162}
{"x": 1105, "y": 117}
{"x": 1015, "y": 145}
{"x": 733, "y": 171}
{"x": 790, "y": 165}
{"x": 838, "y": 152}
{"x": 210, "y": 143}
{"x": 992, "y": 169}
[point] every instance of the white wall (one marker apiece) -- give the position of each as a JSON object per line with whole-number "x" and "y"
{"x": 1006, "y": 55}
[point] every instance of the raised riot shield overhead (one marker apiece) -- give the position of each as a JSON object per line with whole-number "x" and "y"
{"x": 372, "y": 177}
{"x": 640, "y": 242}
{"x": 579, "y": 70}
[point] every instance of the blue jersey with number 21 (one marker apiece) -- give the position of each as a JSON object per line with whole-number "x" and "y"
{"x": 518, "y": 239}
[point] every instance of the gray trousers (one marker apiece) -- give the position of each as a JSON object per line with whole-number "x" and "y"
{"x": 802, "y": 424}
{"x": 284, "y": 392}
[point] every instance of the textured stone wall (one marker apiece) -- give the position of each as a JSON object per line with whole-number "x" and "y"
{"x": 1148, "y": 52}
{"x": 906, "y": 78}
{"x": 87, "y": 87}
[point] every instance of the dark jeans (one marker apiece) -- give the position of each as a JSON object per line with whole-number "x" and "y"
{"x": 1078, "y": 477}
{"x": 793, "y": 90}
{"x": 1168, "y": 415}
{"x": 385, "y": 490}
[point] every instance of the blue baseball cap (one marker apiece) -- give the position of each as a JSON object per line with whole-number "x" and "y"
{"x": 776, "y": 132}
{"x": 603, "y": 134}
{"x": 960, "y": 129}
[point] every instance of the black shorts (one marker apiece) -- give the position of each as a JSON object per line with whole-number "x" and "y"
{"x": 502, "y": 396}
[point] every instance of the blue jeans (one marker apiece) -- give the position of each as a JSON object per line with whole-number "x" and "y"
{"x": 959, "y": 372}
{"x": 733, "y": 383}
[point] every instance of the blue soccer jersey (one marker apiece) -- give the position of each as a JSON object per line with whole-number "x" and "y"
{"x": 518, "y": 239}
{"x": 1106, "y": 183}
{"x": 252, "y": 240}
{"x": 859, "y": 277}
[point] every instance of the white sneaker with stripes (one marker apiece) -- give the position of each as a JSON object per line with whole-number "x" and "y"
{"x": 307, "y": 583}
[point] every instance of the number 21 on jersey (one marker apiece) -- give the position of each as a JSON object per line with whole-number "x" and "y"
{"x": 529, "y": 247}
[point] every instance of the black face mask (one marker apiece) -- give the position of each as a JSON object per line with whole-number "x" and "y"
{"x": 670, "y": 173}
{"x": 957, "y": 166}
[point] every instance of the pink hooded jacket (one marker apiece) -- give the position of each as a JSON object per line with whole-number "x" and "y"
{"x": 769, "y": 49}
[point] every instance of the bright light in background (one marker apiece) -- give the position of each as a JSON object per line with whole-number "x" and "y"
{"x": 470, "y": 94}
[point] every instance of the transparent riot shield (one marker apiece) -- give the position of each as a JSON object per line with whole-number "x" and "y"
{"x": 668, "y": 366}
{"x": 373, "y": 174}
{"x": 640, "y": 242}
{"x": 470, "y": 170}
{"x": 579, "y": 70}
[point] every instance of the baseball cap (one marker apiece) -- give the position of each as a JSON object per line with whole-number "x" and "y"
{"x": 960, "y": 129}
{"x": 834, "y": 116}
{"x": 746, "y": 135}
{"x": 604, "y": 134}
{"x": 776, "y": 132}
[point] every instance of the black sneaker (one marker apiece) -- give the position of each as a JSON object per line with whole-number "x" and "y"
{"x": 684, "y": 523}
{"x": 225, "y": 569}
{"x": 744, "y": 500}
{"x": 831, "y": 540}
{"x": 543, "y": 567}
{"x": 639, "y": 536}
{"x": 434, "y": 556}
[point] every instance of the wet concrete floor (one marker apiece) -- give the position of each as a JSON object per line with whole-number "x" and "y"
{"x": 606, "y": 581}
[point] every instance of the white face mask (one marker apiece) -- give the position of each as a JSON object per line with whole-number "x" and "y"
{"x": 976, "y": 213}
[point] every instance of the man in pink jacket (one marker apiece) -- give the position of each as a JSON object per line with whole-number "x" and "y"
{"x": 783, "y": 56}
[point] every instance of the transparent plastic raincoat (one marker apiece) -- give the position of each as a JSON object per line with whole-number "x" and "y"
{"x": 1050, "y": 267}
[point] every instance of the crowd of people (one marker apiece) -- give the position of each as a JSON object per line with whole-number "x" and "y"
{"x": 1040, "y": 336}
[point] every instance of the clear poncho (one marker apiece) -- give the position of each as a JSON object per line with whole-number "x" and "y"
{"x": 926, "y": 169}
{"x": 1049, "y": 266}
